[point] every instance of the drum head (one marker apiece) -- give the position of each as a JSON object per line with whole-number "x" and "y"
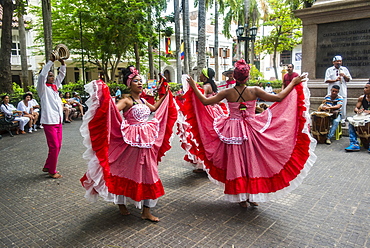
{"x": 361, "y": 117}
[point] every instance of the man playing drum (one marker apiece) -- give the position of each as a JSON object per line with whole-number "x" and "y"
{"x": 362, "y": 107}
{"x": 333, "y": 103}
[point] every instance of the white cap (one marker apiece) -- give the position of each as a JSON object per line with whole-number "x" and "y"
{"x": 337, "y": 57}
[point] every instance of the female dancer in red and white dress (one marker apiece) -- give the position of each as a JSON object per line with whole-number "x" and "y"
{"x": 255, "y": 158}
{"x": 209, "y": 89}
{"x": 123, "y": 152}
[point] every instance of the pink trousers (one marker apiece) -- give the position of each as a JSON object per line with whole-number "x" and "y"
{"x": 53, "y": 135}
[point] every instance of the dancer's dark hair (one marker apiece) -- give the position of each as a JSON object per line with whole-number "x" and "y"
{"x": 211, "y": 75}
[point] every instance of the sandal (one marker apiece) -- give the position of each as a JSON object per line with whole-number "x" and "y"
{"x": 55, "y": 176}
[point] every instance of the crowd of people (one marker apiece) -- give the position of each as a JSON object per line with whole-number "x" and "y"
{"x": 228, "y": 141}
{"x": 27, "y": 112}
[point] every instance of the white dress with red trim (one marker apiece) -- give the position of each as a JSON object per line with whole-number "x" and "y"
{"x": 257, "y": 157}
{"x": 123, "y": 153}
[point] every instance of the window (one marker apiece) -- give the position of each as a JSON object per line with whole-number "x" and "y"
{"x": 15, "y": 45}
{"x": 286, "y": 58}
{"x": 211, "y": 52}
{"x": 224, "y": 52}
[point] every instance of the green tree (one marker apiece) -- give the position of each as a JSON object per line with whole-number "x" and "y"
{"x": 105, "y": 32}
{"x": 241, "y": 12}
{"x": 286, "y": 32}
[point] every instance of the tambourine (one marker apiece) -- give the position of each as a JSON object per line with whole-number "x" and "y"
{"x": 61, "y": 51}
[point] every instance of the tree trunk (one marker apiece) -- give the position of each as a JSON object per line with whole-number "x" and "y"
{"x": 6, "y": 47}
{"x": 178, "y": 41}
{"x": 201, "y": 35}
{"x": 151, "y": 61}
{"x": 274, "y": 64}
{"x": 216, "y": 42}
{"x": 137, "y": 56}
{"x": 46, "y": 17}
{"x": 186, "y": 36}
{"x": 23, "y": 48}
{"x": 150, "y": 53}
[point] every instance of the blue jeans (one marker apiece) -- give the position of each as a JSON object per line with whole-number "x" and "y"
{"x": 352, "y": 135}
{"x": 334, "y": 126}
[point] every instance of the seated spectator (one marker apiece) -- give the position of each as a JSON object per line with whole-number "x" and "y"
{"x": 27, "y": 111}
{"x": 68, "y": 109}
{"x": 75, "y": 101}
{"x": 118, "y": 94}
{"x": 333, "y": 103}
{"x": 9, "y": 110}
{"x": 269, "y": 88}
{"x": 36, "y": 108}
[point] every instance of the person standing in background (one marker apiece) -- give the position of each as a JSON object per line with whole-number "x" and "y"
{"x": 288, "y": 77}
{"x": 339, "y": 75}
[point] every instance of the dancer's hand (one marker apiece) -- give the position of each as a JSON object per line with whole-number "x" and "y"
{"x": 299, "y": 79}
{"x": 52, "y": 57}
{"x": 191, "y": 82}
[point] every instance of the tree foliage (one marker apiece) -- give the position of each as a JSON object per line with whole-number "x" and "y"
{"x": 105, "y": 32}
{"x": 285, "y": 34}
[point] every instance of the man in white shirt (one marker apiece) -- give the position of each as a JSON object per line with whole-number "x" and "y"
{"x": 51, "y": 113}
{"x": 338, "y": 75}
{"x": 269, "y": 88}
{"x": 36, "y": 109}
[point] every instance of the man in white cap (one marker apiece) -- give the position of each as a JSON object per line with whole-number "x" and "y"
{"x": 338, "y": 75}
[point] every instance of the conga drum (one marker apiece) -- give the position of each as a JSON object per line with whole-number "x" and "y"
{"x": 320, "y": 125}
{"x": 361, "y": 123}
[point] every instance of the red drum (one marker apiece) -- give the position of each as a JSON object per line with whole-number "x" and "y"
{"x": 320, "y": 125}
{"x": 361, "y": 123}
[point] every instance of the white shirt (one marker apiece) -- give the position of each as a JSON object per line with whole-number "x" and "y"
{"x": 8, "y": 109}
{"x": 269, "y": 89}
{"x": 22, "y": 107}
{"x": 51, "y": 104}
{"x": 33, "y": 102}
{"x": 332, "y": 73}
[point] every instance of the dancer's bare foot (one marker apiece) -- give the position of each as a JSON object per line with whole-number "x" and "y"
{"x": 243, "y": 204}
{"x": 146, "y": 215}
{"x": 253, "y": 204}
{"x": 123, "y": 210}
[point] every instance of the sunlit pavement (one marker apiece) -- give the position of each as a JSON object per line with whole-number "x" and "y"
{"x": 330, "y": 209}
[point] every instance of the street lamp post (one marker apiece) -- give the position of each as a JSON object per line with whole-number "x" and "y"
{"x": 250, "y": 35}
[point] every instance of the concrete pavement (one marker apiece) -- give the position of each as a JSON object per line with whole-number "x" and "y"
{"x": 330, "y": 209}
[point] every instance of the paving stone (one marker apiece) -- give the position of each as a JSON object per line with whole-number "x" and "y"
{"x": 330, "y": 209}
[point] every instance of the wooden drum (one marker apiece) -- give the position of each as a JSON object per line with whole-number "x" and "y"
{"x": 361, "y": 123}
{"x": 320, "y": 125}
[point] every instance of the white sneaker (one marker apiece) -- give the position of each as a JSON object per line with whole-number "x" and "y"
{"x": 41, "y": 127}
{"x": 34, "y": 129}
{"x": 30, "y": 131}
